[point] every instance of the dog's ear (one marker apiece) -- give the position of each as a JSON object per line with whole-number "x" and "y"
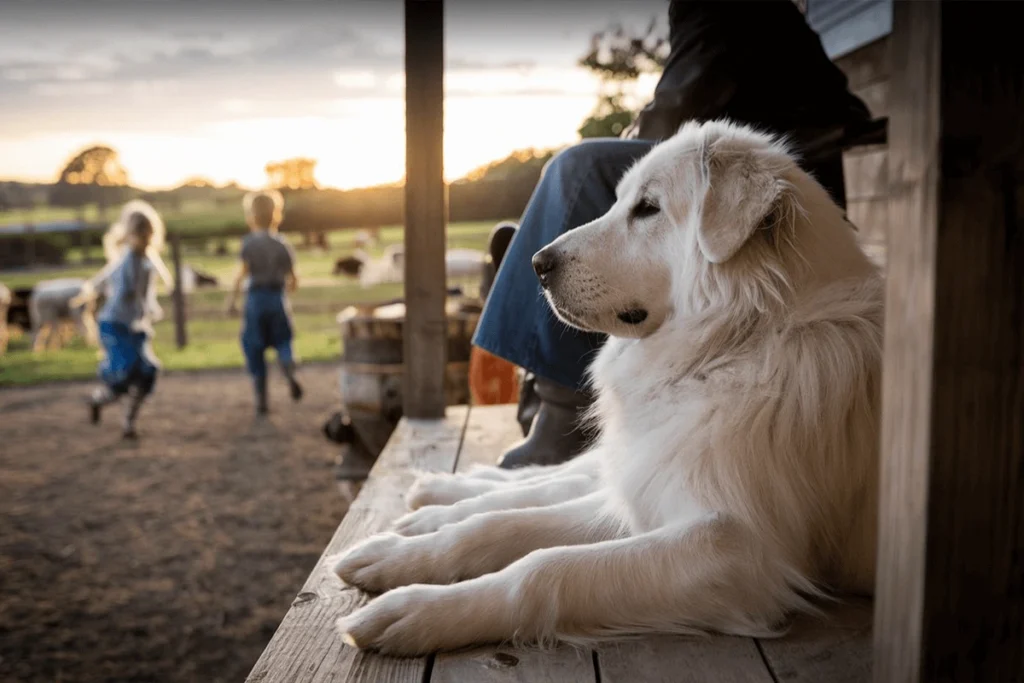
{"x": 742, "y": 191}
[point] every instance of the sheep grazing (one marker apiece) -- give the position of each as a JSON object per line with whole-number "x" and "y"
{"x": 367, "y": 239}
{"x": 460, "y": 265}
{"x": 193, "y": 279}
{"x": 57, "y": 304}
{"x": 348, "y": 265}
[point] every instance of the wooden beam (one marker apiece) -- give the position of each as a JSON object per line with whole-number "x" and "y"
{"x": 425, "y": 331}
{"x": 950, "y": 592}
{"x": 178, "y": 296}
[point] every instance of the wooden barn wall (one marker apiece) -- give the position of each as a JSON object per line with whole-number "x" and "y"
{"x": 867, "y": 168}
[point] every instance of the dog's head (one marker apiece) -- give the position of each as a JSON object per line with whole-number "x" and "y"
{"x": 706, "y": 217}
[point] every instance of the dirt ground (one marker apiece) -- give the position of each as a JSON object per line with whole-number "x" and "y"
{"x": 170, "y": 559}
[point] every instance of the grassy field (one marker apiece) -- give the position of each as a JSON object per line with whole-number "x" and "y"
{"x": 213, "y": 337}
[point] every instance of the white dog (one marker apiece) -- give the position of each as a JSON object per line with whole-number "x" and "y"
{"x": 735, "y": 475}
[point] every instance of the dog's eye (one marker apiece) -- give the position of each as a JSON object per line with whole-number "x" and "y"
{"x": 645, "y": 208}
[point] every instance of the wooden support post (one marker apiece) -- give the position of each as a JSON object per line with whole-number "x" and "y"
{"x": 180, "y": 317}
{"x": 425, "y": 211}
{"x": 950, "y": 592}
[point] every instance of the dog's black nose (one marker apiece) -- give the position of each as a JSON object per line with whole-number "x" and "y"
{"x": 545, "y": 262}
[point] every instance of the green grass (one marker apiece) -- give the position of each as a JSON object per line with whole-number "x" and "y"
{"x": 212, "y": 336}
{"x": 212, "y": 343}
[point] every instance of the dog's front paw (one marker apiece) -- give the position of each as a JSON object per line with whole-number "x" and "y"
{"x": 425, "y": 520}
{"x": 417, "y": 620}
{"x": 446, "y": 489}
{"x": 387, "y": 561}
{"x": 378, "y": 564}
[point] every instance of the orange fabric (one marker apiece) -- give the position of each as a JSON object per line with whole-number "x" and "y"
{"x": 492, "y": 380}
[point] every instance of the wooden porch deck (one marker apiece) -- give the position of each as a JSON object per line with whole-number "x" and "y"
{"x": 308, "y": 649}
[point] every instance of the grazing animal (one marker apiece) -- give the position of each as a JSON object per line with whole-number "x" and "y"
{"x": 193, "y": 279}
{"x": 57, "y": 305}
{"x": 367, "y": 238}
{"x": 17, "y": 314}
{"x": 349, "y": 265}
{"x": 460, "y": 265}
{"x": 734, "y": 478}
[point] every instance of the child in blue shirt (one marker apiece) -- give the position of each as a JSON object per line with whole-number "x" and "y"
{"x": 129, "y": 366}
{"x": 269, "y": 263}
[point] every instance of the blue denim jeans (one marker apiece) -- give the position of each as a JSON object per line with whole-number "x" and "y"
{"x": 266, "y": 325}
{"x": 577, "y": 186}
{"x": 128, "y": 359}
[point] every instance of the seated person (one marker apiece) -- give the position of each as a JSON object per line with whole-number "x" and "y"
{"x": 757, "y": 63}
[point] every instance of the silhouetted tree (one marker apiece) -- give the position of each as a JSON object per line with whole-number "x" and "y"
{"x": 93, "y": 176}
{"x": 296, "y": 175}
{"x": 619, "y": 57}
{"x": 292, "y": 174}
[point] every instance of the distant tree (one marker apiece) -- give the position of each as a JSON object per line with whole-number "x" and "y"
{"x": 619, "y": 57}
{"x": 98, "y": 165}
{"x": 93, "y": 176}
{"x": 521, "y": 162}
{"x": 292, "y": 174}
{"x": 198, "y": 182}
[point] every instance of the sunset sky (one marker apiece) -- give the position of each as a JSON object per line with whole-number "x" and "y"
{"x": 217, "y": 89}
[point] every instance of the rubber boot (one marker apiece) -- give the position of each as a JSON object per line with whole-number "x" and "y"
{"x": 555, "y": 434}
{"x": 100, "y": 397}
{"x": 293, "y": 384}
{"x": 135, "y": 400}
{"x": 260, "y": 387}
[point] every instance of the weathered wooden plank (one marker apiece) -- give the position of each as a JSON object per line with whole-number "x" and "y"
{"x": 950, "y": 594}
{"x": 178, "y": 296}
{"x": 836, "y": 648}
{"x": 876, "y": 97}
{"x": 866, "y": 65}
{"x": 678, "y": 659}
{"x": 866, "y": 171}
{"x": 490, "y": 430}
{"x": 871, "y": 218}
{"x": 426, "y": 211}
{"x": 306, "y": 647}
{"x": 502, "y": 664}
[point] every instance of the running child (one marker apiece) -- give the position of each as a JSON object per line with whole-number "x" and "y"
{"x": 269, "y": 263}
{"x": 129, "y": 366}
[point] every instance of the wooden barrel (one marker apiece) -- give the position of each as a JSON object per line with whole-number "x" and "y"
{"x": 372, "y": 366}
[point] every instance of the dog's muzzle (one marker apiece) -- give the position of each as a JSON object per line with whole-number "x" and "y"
{"x": 545, "y": 264}
{"x": 633, "y": 316}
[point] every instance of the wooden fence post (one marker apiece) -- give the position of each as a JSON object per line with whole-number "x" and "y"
{"x": 950, "y": 592}
{"x": 425, "y": 334}
{"x": 178, "y": 297}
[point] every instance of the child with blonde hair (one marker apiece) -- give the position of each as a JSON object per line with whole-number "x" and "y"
{"x": 269, "y": 263}
{"x": 129, "y": 366}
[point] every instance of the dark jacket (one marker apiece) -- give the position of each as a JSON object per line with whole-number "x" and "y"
{"x": 755, "y": 62}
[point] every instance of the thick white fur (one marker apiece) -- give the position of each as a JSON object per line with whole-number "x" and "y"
{"x": 735, "y": 476}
